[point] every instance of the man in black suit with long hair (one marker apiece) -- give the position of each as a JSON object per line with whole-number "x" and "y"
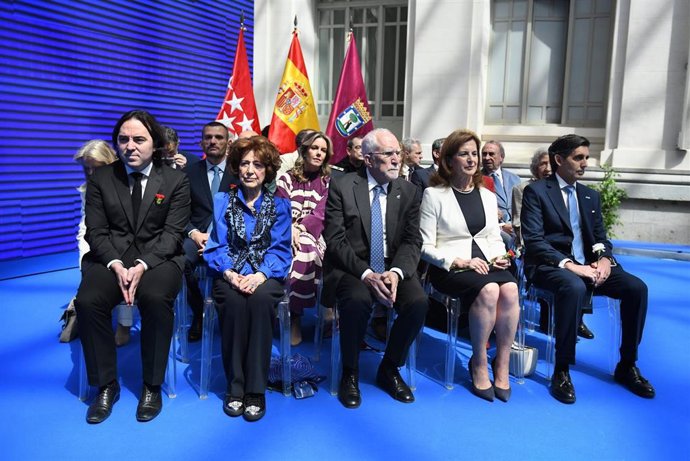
{"x": 136, "y": 211}
{"x": 567, "y": 250}
{"x": 373, "y": 247}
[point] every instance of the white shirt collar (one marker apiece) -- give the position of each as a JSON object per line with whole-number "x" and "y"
{"x": 562, "y": 183}
{"x": 371, "y": 182}
{"x": 146, "y": 171}
{"x": 221, "y": 165}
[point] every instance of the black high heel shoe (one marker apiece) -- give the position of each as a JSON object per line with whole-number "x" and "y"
{"x": 486, "y": 394}
{"x": 501, "y": 394}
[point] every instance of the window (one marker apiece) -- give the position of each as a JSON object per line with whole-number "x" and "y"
{"x": 380, "y": 30}
{"x": 549, "y": 62}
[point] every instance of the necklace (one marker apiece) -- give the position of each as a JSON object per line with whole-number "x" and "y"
{"x": 464, "y": 191}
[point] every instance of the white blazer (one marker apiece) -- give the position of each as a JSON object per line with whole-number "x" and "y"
{"x": 444, "y": 230}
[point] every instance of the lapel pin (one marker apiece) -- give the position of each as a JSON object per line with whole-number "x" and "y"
{"x": 397, "y": 196}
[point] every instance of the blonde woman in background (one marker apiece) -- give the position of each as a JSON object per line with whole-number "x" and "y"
{"x": 91, "y": 155}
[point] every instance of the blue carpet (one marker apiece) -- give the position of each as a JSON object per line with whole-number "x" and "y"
{"x": 41, "y": 417}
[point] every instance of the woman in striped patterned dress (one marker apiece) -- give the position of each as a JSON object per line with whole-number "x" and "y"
{"x": 306, "y": 185}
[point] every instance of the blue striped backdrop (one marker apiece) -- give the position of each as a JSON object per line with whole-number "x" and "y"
{"x": 70, "y": 68}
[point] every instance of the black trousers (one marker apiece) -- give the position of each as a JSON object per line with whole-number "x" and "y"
{"x": 570, "y": 293}
{"x": 195, "y": 298}
{"x": 99, "y": 293}
{"x": 355, "y": 306}
{"x": 246, "y": 329}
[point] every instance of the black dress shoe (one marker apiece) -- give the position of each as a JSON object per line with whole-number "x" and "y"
{"x": 150, "y": 404}
{"x": 584, "y": 332}
{"x": 102, "y": 405}
{"x": 254, "y": 407}
{"x": 388, "y": 378}
{"x": 486, "y": 394}
{"x": 194, "y": 333}
{"x": 631, "y": 378}
{"x": 348, "y": 392}
{"x": 562, "y": 388}
{"x": 233, "y": 406}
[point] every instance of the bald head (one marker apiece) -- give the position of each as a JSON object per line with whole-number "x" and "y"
{"x": 248, "y": 134}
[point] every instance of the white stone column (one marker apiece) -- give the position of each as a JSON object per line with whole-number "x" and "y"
{"x": 447, "y": 60}
{"x": 272, "y": 36}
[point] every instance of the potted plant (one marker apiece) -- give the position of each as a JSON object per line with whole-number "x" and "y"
{"x": 611, "y": 196}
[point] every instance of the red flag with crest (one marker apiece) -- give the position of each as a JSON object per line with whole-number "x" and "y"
{"x": 350, "y": 115}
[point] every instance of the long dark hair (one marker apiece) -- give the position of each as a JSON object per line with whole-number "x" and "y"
{"x": 155, "y": 129}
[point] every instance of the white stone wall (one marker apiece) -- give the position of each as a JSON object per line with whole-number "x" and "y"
{"x": 448, "y": 44}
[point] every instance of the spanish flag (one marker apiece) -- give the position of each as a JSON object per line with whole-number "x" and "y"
{"x": 294, "y": 109}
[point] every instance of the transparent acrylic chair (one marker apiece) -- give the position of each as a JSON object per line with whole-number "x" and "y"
{"x": 208, "y": 329}
{"x": 453, "y": 309}
{"x": 336, "y": 369}
{"x": 170, "y": 381}
{"x": 530, "y": 322}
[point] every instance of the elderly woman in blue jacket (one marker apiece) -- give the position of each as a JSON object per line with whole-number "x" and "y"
{"x": 249, "y": 247}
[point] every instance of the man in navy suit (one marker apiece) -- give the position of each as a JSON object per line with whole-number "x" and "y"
{"x": 420, "y": 177}
{"x": 567, "y": 251}
{"x": 493, "y": 156}
{"x": 206, "y": 177}
{"x": 373, "y": 246}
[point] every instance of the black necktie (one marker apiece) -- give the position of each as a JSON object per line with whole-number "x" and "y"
{"x": 136, "y": 194}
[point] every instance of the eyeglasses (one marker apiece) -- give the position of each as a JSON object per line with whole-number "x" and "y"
{"x": 389, "y": 153}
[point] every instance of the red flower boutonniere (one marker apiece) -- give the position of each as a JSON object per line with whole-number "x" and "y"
{"x": 159, "y": 198}
{"x": 510, "y": 256}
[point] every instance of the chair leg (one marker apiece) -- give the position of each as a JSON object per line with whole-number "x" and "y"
{"x": 614, "y": 308}
{"x": 411, "y": 364}
{"x": 318, "y": 333}
{"x": 452, "y": 316}
{"x": 318, "y": 330}
{"x": 335, "y": 353}
{"x": 170, "y": 382}
{"x": 181, "y": 324}
{"x": 83, "y": 379}
{"x": 285, "y": 348}
{"x": 209, "y": 320}
{"x": 519, "y": 369}
{"x": 551, "y": 344}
